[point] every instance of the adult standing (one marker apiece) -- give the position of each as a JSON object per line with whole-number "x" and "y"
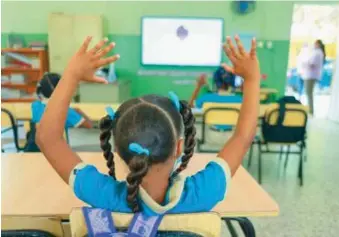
{"x": 312, "y": 66}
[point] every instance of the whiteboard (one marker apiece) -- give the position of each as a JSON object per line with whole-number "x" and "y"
{"x": 182, "y": 41}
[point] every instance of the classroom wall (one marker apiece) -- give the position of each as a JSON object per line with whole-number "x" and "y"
{"x": 122, "y": 24}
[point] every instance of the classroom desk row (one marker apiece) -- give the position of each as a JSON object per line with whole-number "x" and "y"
{"x": 95, "y": 111}
{"x": 38, "y": 191}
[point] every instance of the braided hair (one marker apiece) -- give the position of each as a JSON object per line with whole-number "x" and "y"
{"x": 153, "y": 122}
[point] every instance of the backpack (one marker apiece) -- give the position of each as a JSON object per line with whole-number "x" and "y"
{"x": 278, "y": 132}
{"x": 100, "y": 223}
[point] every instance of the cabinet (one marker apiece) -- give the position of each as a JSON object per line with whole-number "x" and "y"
{"x": 66, "y": 33}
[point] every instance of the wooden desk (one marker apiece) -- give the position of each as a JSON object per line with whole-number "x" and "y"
{"x": 95, "y": 111}
{"x": 199, "y": 112}
{"x": 30, "y": 186}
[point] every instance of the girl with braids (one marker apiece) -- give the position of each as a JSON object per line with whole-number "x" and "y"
{"x": 154, "y": 136}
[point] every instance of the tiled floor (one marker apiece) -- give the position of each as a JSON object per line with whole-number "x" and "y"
{"x": 311, "y": 210}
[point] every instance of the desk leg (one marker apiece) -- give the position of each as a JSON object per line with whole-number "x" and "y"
{"x": 245, "y": 224}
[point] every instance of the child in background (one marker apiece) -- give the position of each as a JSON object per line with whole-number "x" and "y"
{"x": 224, "y": 82}
{"x": 75, "y": 117}
{"x": 45, "y": 88}
{"x": 154, "y": 136}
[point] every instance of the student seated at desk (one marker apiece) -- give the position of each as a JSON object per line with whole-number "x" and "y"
{"x": 154, "y": 136}
{"x": 225, "y": 82}
{"x": 45, "y": 88}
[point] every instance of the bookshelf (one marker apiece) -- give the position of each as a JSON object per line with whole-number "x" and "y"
{"x": 30, "y": 64}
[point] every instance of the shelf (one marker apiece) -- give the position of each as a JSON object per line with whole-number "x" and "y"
{"x": 18, "y": 69}
{"x": 18, "y": 99}
{"x": 22, "y": 50}
{"x": 26, "y": 87}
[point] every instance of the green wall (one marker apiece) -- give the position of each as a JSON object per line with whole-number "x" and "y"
{"x": 269, "y": 22}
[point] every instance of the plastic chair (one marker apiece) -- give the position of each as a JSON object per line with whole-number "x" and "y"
{"x": 217, "y": 114}
{"x": 191, "y": 225}
{"x": 294, "y": 124}
{"x": 28, "y": 226}
{"x": 9, "y": 124}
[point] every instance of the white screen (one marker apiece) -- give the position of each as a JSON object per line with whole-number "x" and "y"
{"x": 181, "y": 41}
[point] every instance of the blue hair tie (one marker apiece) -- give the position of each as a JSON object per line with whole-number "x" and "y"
{"x": 110, "y": 112}
{"x": 137, "y": 148}
{"x": 175, "y": 99}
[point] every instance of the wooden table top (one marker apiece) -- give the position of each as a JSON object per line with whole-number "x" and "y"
{"x": 30, "y": 186}
{"x": 95, "y": 111}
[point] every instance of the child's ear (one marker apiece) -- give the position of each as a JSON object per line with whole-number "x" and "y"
{"x": 180, "y": 147}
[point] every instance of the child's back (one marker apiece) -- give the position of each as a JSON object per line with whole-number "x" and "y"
{"x": 149, "y": 133}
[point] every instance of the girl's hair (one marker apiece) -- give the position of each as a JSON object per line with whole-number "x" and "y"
{"x": 223, "y": 79}
{"x": 155, "y": 124}
{"x": 322, "y": 47}
{"x": 47, "y": 84}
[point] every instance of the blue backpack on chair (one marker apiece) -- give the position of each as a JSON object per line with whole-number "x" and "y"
{"x": 100, "y": 223}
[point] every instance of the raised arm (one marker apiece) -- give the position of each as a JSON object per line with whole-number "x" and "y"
{"x": 201, "y": 81}
{"x": 49, "y": 135}
{"x": 246, "y": 65}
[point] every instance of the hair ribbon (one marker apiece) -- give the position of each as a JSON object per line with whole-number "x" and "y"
{"x": 175, "y": 100}
{"x": 110, "y": 112}
{"x": 137, "y": 148}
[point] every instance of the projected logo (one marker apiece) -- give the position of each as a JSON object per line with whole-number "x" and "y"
{"x": 182, "y": 33}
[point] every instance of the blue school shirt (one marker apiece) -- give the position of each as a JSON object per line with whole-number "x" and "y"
{"x": 74, "y": 119}
{"x": 216, "y": 98}
{"x": 196, "y": 193}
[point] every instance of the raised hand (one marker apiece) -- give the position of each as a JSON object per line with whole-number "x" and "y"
{"x": 202, "y": 80}
{"x": 85, "y": 63}
{"x": 245, "y": 64}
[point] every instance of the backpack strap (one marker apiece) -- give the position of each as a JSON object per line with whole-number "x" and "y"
{"x": 99, "y": 222}
{"x": 282, "y": 107}
{"x": 144, "y": 226}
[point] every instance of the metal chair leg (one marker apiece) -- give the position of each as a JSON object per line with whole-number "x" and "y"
{"x": 259, "y": 163}
{"x": 281, "y": 152}
{"x": 245, "y": 224}
{"x": 300, "y": 172}
{"x": 286, "y": 159}
{"x": 250, "y": 156}
{"x": 231, "y": 228}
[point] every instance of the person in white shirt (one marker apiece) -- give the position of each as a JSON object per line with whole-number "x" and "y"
{"x": 311, "y": 67}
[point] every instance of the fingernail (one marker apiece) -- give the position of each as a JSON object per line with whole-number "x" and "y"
{"x": 113, "y": 44}
{"x": 105, "y": 39}
{"x": 228, "y": 37}
{"x": 118, "y": 56}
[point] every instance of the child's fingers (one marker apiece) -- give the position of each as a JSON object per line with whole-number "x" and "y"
{"x": 239, "y": 45}
{"x": 104, "y": 51}
{"x": 229, "y": 54}
{"x": 227, "y": 68}
{"x": 99, "y": 80}
{"x": 107, "y": 60}
{"x": 253, "y": 51}
{"x": 232, "y": 48}
{"x": 84, "y": 46}
{"x": 98, "y": 46}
